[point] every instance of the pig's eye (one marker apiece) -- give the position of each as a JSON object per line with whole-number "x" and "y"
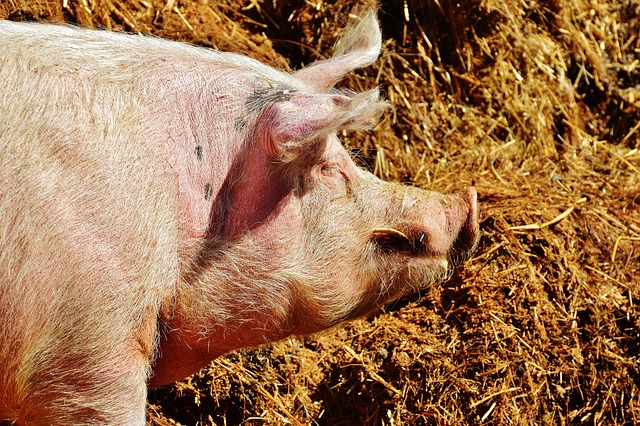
{"x": 335, "y": 171}
{"x": 329, "y": 170}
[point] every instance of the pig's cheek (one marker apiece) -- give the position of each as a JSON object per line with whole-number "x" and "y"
{"x": 283, "y": 232}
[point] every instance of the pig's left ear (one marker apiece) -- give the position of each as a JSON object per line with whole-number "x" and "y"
{"x": 357, "y": 49}
{"x": 292, "y": 126}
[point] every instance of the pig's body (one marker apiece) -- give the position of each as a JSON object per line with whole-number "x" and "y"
{"x": 162, "y": 204}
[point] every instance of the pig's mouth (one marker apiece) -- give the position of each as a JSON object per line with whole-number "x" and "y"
{"x": 395, "y": 241}
{"x": 416, "y": 245}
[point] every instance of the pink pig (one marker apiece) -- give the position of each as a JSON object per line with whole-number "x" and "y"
{"x": 162, "y": 204}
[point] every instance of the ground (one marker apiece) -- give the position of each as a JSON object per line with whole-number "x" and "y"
{"x": 537, "y": 104}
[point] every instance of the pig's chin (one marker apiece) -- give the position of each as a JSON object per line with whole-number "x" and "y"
{"x": 404, "y": 275}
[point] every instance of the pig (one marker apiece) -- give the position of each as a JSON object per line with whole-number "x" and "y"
{"x": 162, "y": 204}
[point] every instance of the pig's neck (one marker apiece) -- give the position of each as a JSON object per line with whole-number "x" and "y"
{"x": 235, "y": 296}
{"x": 239, "y": 280}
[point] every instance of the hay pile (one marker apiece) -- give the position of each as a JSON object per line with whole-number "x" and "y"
{"x": 537, "y": 104}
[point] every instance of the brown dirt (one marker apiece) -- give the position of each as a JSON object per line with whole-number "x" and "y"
{"x": 537, "y": 104}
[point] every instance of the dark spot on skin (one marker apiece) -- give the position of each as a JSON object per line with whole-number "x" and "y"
{"x": 263, "y": 96}
{"x": 207, "y": 191}
{"x": 349, "y": 189}
{"x": 198, "y": 153}
{"x": 239, "y": 124}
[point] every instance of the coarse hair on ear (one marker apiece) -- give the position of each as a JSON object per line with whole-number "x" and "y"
{"x": 358, "y": 48}
{"x": 288, "y": 127}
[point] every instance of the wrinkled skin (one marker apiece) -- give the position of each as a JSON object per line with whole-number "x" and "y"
{"x": 163, "y": 204}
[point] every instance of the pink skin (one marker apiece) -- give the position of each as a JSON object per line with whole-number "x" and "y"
{"x": 269, "y": 202}
{"x": 189, "y": 203}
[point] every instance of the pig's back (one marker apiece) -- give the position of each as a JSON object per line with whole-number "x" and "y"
{"x": 117, "y": 56}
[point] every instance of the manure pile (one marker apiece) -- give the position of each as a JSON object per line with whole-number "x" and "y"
{"x": 536, "y": 104}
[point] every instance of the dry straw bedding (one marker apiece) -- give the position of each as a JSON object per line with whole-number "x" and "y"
{"x": 537, "y": 104}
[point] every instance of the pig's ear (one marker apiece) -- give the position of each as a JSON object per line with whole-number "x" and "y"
{"x": 290, "y": 127}
{"x": 359, "y": 48}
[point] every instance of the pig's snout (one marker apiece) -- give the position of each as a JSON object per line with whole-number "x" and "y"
{"x": 445, "y": 227}
{"x": 469, "y": 231}
{"x": 459, "y": 237}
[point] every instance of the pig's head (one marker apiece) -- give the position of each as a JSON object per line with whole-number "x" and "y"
{"x": 301, "y": 237}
